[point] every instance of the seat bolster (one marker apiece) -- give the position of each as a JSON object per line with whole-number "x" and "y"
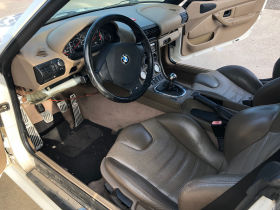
{"x": 217, "y": 85}
{"x": 136, "y": 137}
{"x": 248, "y": 127}
{"x": 268, "y": 94}
{"x": 207, "y": 79}
{"x": 197, "y": 193}
{"x": 276, "y": 69}
{"x": 242, "y": 77}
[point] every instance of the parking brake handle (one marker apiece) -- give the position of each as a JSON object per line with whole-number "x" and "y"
{"x": 220, "y": 110}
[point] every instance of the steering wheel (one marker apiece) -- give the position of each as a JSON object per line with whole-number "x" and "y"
{"x": 119, "y": 63}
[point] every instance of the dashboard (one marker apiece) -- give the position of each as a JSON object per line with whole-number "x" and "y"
{"x": 107, "y": 34}
{"x": 55, "y": 52}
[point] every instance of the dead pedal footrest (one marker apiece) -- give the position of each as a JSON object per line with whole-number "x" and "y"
{"x": 31, "y": 130}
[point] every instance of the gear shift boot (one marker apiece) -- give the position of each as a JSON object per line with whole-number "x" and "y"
{"x": 170, "y": 88}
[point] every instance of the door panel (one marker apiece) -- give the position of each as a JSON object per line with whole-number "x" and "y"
{"x": 211, "y": 25}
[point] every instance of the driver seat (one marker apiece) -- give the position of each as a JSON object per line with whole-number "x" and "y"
{"x": 169, "y": 162}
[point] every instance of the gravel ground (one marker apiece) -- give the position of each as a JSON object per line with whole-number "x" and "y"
{"x": 12, "y": 197}
{"x": 12, "y": 7}
{"x": 273, "y": 4}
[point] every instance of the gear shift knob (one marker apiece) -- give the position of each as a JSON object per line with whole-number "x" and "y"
{"x": 172, "y": 77}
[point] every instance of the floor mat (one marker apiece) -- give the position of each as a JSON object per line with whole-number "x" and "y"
{"x": 81, "y": 150}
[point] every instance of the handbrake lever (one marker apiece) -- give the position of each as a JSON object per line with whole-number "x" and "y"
{"x": 220, "y": 110}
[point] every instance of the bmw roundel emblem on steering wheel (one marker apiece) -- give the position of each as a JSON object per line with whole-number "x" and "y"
{"x": 125, "y": 59}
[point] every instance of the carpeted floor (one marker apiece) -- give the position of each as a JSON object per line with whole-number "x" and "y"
{"x": 81, "y": 150}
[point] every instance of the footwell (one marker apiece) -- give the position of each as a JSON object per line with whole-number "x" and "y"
{"x": 80, "y": 150}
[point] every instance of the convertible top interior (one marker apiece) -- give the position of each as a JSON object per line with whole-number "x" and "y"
{"x": 103, "y": 95}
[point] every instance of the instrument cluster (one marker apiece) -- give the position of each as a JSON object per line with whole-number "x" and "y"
{"x": 75, "y": 47}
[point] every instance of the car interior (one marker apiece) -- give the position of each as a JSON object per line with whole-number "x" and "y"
{"x": 103, "y": 94}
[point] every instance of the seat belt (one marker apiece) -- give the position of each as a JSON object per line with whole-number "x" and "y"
{"x": 218, "y": 126}
{"x": 221, "y": 111}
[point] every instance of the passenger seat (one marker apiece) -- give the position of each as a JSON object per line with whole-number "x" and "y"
{"x": 240, "y": 85}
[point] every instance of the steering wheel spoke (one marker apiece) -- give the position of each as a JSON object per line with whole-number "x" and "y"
{"x": 141, "y": 48}
{"x": 104, "y": 74}
{"x": 136, "y": 87}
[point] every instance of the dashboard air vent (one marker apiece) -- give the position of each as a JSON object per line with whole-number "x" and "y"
{"x": 152, "y": 32}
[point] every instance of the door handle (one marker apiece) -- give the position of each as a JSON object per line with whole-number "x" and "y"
{"x": 233, "y": 21}
{"x": 227, "y": 13}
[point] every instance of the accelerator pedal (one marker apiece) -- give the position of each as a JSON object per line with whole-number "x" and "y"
{"x": 76, "y": 110}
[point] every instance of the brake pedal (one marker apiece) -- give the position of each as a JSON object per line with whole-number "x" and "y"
{"x": 63, "y": 106}
{"x": 46, "y": 115}
{"x": 76, "y": 110}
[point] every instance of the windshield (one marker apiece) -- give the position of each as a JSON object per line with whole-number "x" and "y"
{"x": 75, "y": 7}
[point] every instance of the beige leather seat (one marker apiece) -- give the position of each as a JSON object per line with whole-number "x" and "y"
{"x": 169, "y": 162}
{"x": 238, "y": 84}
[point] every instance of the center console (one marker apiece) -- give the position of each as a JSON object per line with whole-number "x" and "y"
{"x": 165, "y": 93}
{"x": 161, "y": 83}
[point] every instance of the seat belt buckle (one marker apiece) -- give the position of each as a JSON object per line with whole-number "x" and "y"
{"x": 217, "y": 122}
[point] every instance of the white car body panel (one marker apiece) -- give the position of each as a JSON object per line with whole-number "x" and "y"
{"x": 21, "y": 161}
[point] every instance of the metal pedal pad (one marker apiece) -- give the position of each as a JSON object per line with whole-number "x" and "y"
{"x": 47, "y": 116}
{"x": 63, "y": 106}
{"x": 76, "y": 110}
{"x": 32, "y": 132}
